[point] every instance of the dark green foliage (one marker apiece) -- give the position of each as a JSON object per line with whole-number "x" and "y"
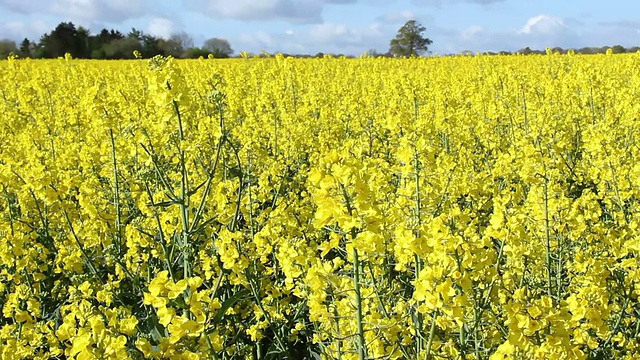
{"x": 26, "y": 48}
{"x": 65, "y": 38}
{"x": 112, "y": 44}
{"x": 121, "y": 48}
{"x": 194, "y": 53}
{"x": 410, "y": 40}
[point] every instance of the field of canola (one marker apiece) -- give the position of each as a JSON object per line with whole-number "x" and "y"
{"x": 437, "y": 208}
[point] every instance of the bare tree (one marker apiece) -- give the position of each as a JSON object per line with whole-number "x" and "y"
{"x": 183, "y": 39}
{"x": 218, "y": 47}
{"x": 177, "y": 44}
{"x": 7, "y": 47}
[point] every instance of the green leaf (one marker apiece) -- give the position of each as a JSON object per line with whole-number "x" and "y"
{"x": 227, "y": 304}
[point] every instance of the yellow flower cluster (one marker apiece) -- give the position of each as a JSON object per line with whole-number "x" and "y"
{"x": 451, "y": 208}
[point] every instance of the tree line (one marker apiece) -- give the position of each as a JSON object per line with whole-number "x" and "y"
{"x": 112, "y": 44}
{"x": 411, "y": 41}
{"x": 616, "y": 49}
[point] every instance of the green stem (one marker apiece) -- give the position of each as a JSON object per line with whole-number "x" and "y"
{"x": 485, "y": 302}
{"x": 356, "y": 282}
{"x": 163, "y": 242}
{"x": 212, "y": 351}
{"x": 418, "y": 318}
{"x": 184, "y": 217}
{"x": 619, "y": 319}
{"x": 336, "y": 317}
{"x": 10, "y": 210}
{"x": 116, "y": 196}
{"x": 160, "y": 173}
{"x": 362, "y": 350}
{"x": 432, "y": 332}
{"x": 207, "y": 188}
{"x": 176, "y": 108}
{"x": 547, "y": 237}
{"x": 82, "y": 250}
{"x": 184, "y": 204}
{"x": 236, "y": 216}
{"x": 559, "y": 271}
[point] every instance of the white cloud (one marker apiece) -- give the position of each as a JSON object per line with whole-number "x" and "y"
{"x": 439, "y": 3}
{"x": 161, "y": 27}
{"x": 280, "y": 42}
{"x": 544, "y": 24}
{"x": 538, "y": 32}
{"x": 259, "y": 40}
{"x": 327, "y": 38}
{"x": 115, "y": 11}
{"x": 471, "y": 32}
{"x": 294, "y": 11}
{"x": 102, "y": 10}
{"x": 19, "y": 6}
{"x": 623, "y": 33}
{"x": 327, "y": 33}
{"x": 76, "y": 9}
{"x": 342, "y": 38}
{"x": 397, "y": 17}
{"x": 17, "y": 30}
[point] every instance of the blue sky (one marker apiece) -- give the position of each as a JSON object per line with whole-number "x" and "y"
{"x": 343, "y": 26}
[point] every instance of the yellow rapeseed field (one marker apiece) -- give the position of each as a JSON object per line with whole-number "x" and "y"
{"x": 482, "y": 207}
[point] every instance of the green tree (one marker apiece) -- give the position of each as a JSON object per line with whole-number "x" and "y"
{"x": 410, "y": 40}
{"x": 101, "y": 43}
{"x": 63, "y": 39}
{"x": 619, "y": 49}
{"x": 121, "y": 49}
{"x": 84, "y": 43}
{"x": 194, "y": 53}
{"x": 149, "y": 45}
{"x": 26, "y": 48}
